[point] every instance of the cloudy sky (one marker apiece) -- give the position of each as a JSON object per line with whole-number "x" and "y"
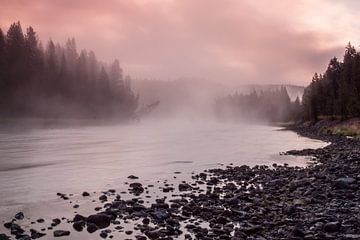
{"x": 262, "y": 41}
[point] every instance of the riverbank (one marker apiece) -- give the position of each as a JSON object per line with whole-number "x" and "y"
{"x": 233, "y": 202}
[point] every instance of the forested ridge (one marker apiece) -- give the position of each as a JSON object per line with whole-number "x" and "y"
{"x": 335, "y": 94}
{"x": 57, "y": 81}
{"x": 272, "y": 105}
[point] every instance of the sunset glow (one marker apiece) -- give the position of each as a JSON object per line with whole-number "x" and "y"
{"x": 204, "y": 39}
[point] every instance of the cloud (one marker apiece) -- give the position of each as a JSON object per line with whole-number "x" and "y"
{"x": 229, "y": 41}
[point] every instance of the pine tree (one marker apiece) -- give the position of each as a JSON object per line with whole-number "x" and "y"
{"x": 2, "y": 62}
{"x": 51, "y": 68}
{"x": 32, "y": 53}
{"x": 15, "y": 57}
{"x": 116, "y": 76}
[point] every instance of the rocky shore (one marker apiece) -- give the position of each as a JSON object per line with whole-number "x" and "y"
{"x": 321, "y": 201}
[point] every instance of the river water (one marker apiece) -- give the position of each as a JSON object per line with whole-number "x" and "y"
{"x": 37, "y": 162}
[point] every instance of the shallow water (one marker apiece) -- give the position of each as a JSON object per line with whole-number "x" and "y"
{"x": 38, "y": 162}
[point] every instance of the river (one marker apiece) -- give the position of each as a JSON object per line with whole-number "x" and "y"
{"x": 37, "y": 162}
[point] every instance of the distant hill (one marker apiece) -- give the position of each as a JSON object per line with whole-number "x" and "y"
{"x": 195, "y": 95}
{"x": 293, "y": 90}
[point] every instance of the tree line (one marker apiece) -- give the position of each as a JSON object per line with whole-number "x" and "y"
{"x": 58, "y": 81}
{"x": 335, "y": 94}
{"x": 269, "y": 105}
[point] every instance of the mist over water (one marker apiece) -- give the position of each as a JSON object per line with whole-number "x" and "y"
{"x": 38, "y": 162}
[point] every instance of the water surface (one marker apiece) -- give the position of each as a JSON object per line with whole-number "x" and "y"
{"x": 38, "y": 162}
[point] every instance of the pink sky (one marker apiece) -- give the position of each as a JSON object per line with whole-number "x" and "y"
{"x": 262, "y": 41}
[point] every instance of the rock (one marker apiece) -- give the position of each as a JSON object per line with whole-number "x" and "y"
{"x": 79, "y": 225}
{"x": 103, "y": 198}
{"x": 160, "y": 215}
{"x": 152, "y": 234}
{"x": 85, "y": 194}
{"x": 139, "y": 237}
{"x": 40, "y": 220}
{"x": 61, "y": 233}
{"x": 79, "y": 217}
{"x": 133, "y": 177}
{"x": 146, "y": 221}
{"x": 35, "y": 234}
{"x": 348, "y": 236}
{"x": 332, "y": 227}
{"x": 91, "y": 227}
{"x": 184, "y": 187}
{"x": 55, "y": 222}
{"x": 344, "y": 183}
{"x": 298, "y": 232}
{"x": 4, "y": 237}
{"x": 100, "y": 220}
{"x": 19, "y": 216}
{"x": 136, "y": 188}
{"x": 103, "y": 234}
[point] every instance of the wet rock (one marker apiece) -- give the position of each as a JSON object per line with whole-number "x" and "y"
{"x": 85, "y": 194}
{"x": 79, "y": 225}
{"x": 36, "y": 234}
{"x": 139, "y": 237}
{"x": 55, "y": 222}
{"x": 298, "y": 232}
{"x": 40, "y": 220}
{"x": 79, "y": 217}
{"x": 103, "y": 198}
{"x": 332, "y": 227}
{"x": 184, "y": 187}
{"x": 19, "y": 216}
{"x": 103, "y": 234}
{"x": 152, "y": 234}
{"x": 91, "y": 227}
{"x": 136, "y": 188}
{"x": 133, "y": 177}
{"x": 100, "y": 220}
{"x": 146, "y": 221}
{"x": 61, "y": 233}
{"x": 344, "y": 183}
{"x": 4, "y": 237}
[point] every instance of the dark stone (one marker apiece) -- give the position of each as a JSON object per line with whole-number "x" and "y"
{"x": 79, "y": 217}
{"x": 91, "y": 227}
{"x": 61, "y": 233}
{"x": 55, "y": 222}
{"x": 19, "y": 216}
{"x": 103, "y": 234}
{"x": 40, "y": 220}
{"x": 85, "y": 194}
{"x": 103, "y": 198}
{"x": 133, "y": 177}
{"x": 344, "y": 183}
{"x": 332, "y": 227}
{"x": 4, "y": 237}
{"x": 298, "y": 232}
{"x": 146, "y": 221}
{"x": 152, "y": 234}
{"x": 184, "y": 187}
{"x": 100, "y": 220}
{"x": 35, "y": 234}
{"x": 79, "y": 225}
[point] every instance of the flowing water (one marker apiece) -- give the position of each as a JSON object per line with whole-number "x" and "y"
{"x": 38, "y": 162}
